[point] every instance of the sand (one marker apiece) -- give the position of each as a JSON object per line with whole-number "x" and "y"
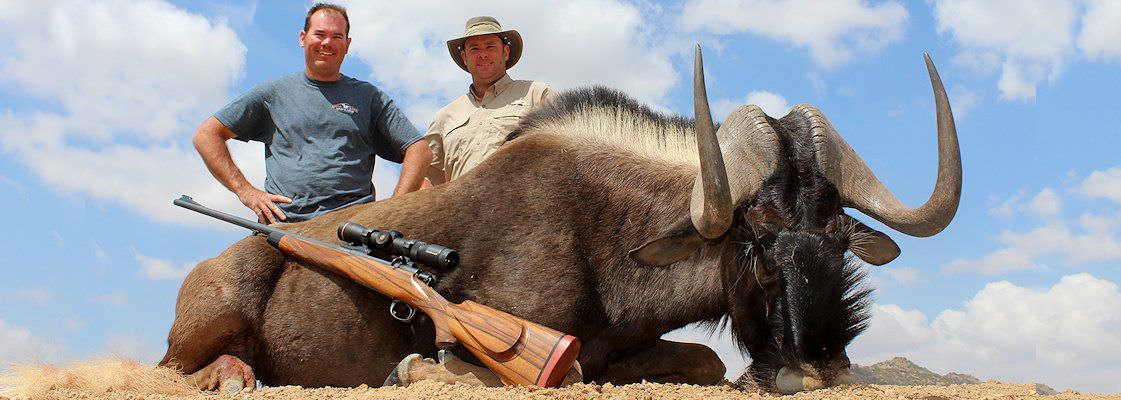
{"x": 120, "y": 379}
{"x": 434, "y": 390}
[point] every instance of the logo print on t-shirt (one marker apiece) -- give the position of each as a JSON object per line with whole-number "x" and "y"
{"x": 346, "y": 108}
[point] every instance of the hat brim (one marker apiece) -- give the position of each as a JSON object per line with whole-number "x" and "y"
{"x": 511, "y": 37}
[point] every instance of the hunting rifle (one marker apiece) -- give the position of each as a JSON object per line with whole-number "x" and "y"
{"x": 520, "y": 352}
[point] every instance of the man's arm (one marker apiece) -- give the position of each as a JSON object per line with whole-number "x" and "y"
{"x": 210, "y": 141}
{"x": 413, "y": 168}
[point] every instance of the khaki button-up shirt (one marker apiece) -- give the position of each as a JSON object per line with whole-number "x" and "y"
{"x": 469, "y": 130}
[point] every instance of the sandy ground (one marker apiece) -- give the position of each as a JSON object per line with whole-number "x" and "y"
{"x": 119, "y": 379}
{"x": 434, "y": 390}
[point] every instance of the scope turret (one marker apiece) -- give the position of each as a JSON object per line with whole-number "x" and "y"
{"x": 394, "y": 243}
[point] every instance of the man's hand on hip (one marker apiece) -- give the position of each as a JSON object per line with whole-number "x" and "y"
{"x": 263, "y": 204}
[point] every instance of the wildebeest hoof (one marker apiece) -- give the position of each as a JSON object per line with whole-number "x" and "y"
{"x": 792, "y": 380}
{"x": 400, "y": 374}
{"x": 227, "y": 374}
{"x": 574, "y": 375}
{"x": 232, "y": 385}
{"x": 450, "y": 369}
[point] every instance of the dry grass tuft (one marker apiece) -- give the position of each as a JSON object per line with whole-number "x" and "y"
{"x": 99, "y": 376}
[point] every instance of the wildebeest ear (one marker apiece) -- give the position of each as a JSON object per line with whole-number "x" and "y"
{"x": 872, "y": 246}
{"x": 675, "y": 244}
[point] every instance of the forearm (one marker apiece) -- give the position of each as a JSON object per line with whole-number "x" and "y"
{"x": 417, "y": 159}
{"x": 210, "y": 141}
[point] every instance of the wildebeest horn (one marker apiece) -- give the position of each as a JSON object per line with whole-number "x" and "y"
{"x": 860, "y": 189}
{"x": 711, "y": 204}
{"x": 751, "y": 147}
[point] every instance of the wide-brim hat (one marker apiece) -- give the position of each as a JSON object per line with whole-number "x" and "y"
{"x": 479, "y": 26}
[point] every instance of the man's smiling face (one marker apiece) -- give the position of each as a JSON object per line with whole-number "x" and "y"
{"x": 325, "y": 44}
{"x": 485, "y": 57}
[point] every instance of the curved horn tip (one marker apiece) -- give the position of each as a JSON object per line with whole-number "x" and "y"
{"x": 698, "y": 63}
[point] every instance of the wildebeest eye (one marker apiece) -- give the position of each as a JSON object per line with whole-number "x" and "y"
{"x": 765, "y": 231}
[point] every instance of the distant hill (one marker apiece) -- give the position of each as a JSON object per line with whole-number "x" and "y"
{"x": 901, "y": 371}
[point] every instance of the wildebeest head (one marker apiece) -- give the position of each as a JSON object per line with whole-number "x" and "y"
{"x": 794, "y": 297}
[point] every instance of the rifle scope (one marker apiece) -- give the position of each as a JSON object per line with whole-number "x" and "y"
{"x": 394, "y": 243}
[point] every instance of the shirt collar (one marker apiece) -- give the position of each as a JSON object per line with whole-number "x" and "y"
{"x": 493, "y": 90}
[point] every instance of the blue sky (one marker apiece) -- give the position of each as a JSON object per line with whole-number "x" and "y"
{"x": 98, "y": 101}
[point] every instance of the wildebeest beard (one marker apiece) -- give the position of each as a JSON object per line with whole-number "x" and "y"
{"x": 807, "y": 304}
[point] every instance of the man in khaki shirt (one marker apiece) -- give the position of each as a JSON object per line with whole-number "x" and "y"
{"x": 471, "y": 128}
{"x": 461, "y": 136}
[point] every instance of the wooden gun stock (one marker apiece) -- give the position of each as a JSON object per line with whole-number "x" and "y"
{"x": 520, "y": 352}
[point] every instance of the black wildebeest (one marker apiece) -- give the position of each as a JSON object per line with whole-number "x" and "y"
{"x": 594, "y": 218}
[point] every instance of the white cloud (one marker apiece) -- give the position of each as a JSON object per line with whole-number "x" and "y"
{"x": 963, "y": 101}
{"x": 125, "y": 108}
{"x": 37, "y": 295}
{"x": 1005, "y": 208}
{"x": 1101, "y": 184}
{"x": 1064, "y": 336}
{"x": 15, "y": 186}
{"x": 19, "y": 345}
{"x": 1029, "y": 42}
{"x": 1100, "y": 30}
{"x": 114, "y": 299}
{"x": 1046, "y": 203}
{"x": 905, "y": 276}
{"x": 834, "y": 31}
{"x": 133, "y": 347}
{"x": 155, "y": 268}
{"x": 1079, "y": 247}
{"x": 565, "y": 46}
{"x": 1096, "y": 241}
{"x": 772, "y": 103}
{"x": 818, "y": 83}
{"x": 892, "y": 331}
{"x": 173, "y": 68}
{"x": 998, "y": 262}
{"x": 1098, "y": 225}
{"x": 74, "y": 324}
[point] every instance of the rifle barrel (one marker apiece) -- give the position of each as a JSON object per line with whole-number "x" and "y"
{"x": 273, "y": 235}
{"x": 187, "y": 202}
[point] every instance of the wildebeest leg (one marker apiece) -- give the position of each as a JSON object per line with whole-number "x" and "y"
{"x": 665, "y": 362}
{"x": 214, "y": 316}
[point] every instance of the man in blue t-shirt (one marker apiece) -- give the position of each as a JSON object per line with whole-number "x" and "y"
{"x": 321, "y": 130}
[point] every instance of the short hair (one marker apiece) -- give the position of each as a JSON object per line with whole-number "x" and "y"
{"x": 327, "y": 6}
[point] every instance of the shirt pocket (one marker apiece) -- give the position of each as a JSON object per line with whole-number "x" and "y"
{"x": 506, "y": 119}
{"x": 453, "y": 137}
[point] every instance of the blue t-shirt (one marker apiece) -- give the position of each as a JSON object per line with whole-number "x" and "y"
{"x": 320, "y": 139}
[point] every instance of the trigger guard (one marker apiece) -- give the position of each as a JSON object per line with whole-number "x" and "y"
{"x": 393, "y": 311}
